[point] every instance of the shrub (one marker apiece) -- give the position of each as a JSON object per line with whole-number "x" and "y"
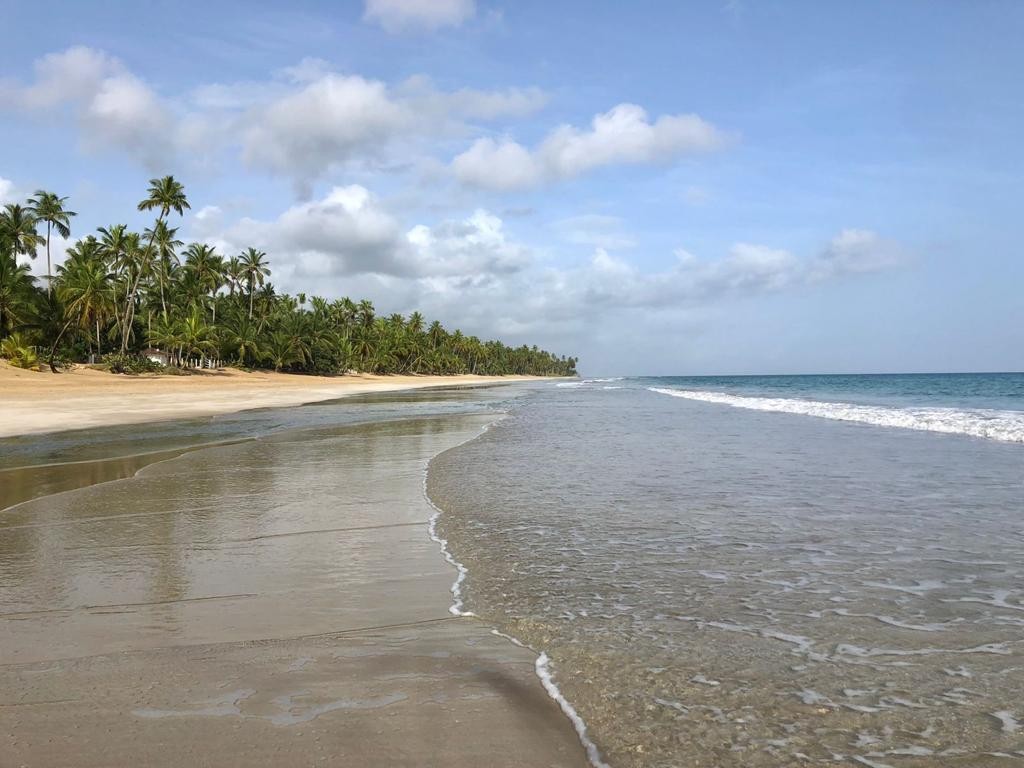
{"x": 19, "y": 352}
{"x": 131, "y": 364}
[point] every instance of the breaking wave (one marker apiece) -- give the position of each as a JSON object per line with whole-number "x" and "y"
{"x": 1004, "y": 426}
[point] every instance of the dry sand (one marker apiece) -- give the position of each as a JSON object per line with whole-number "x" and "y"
{"x": 33, "y": 402}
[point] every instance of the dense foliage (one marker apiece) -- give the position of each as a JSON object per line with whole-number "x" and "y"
{"x": 118, "y": 292}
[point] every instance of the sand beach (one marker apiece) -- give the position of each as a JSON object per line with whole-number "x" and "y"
{"x": 270, "y": 602}
{"x": 36, "y": 401}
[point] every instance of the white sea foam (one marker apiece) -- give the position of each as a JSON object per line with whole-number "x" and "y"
{"x": 456, "y": 608}
{"x": 1008, "y": 720}
{"x": 1005, "y": 426}
{"x": 584, "y": 382}
{"x": 542, "y": 665}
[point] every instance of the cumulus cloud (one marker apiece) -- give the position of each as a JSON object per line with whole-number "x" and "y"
{"x": 350, "y": 232}
{"x": 335, "y": 119}
{"x": 113, "y": 108}
{"x": 471, "y": 247}
{"x": 501, "y": 165}
{"x": 418, "y": 15}
{"x": 855, "y": 251}
{"x": 474, "y": 273}
{"x": 299, "y": 123}
{"x": 346, "y": 232}
{"x": 622, "y": 135}
{"x": 329, "y": 121}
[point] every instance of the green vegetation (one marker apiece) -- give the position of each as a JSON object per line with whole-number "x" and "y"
{"x": 119, "y": 292}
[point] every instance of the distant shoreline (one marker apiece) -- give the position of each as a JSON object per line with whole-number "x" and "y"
{"x": 35, "y": 403}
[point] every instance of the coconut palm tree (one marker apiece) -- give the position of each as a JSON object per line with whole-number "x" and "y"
{"x": 197, "y": 338}
{"x": 18, "y": 229}
{"x": 86, "y": 287}
{"x": 255, "y": 270}
{"x": 16, "y": 292}
{"x": 242, "y": 337}
{"x": 48, "y": 207}
{"x": 234, "y": 273}
{"x": 166, "y": 243}
{"x": 165, "y": 195}
{"x": 283, "y": 349}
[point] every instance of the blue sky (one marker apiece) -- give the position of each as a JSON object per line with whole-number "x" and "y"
{"x": 659, "y": 187}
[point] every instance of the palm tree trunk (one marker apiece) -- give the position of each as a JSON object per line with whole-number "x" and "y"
{"x": 129, "y": 312}
{"x": 49, "y": 271}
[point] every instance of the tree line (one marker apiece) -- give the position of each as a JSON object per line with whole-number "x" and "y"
{"x": 119, "y": 292}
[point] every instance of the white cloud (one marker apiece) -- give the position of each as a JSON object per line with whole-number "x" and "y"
{"x": 420, "y": 93}
{"x": 331, "y": 120}
{"x": 409, "y": 15}
{"x": 595, "y": 230}
{"x": 337, "y": 119}
{"x": 623, "y": 135}
{"x": 8, "y": 194}
{"x": 301, "y": 123}
{"x": 114, "y": 108}
{"x": 125, "y": 113}
{"x": 473, "y": 273}
{"x": 856, "y": 251}
{"x": 472, "y": 247}
{"x": 503, "y": 165}
{"x": 347, "y": 232}
{"x": 75, "y": 75}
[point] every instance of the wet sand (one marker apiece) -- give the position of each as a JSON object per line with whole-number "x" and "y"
{"x": 273, "y": 602}
{"x": 38, "y": 402}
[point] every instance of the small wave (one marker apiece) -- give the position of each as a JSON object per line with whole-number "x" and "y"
{"x": 584, "y": 382}
{"x": 542, "y": 665}
{"x": 1004, "y": 426}
{"x": 543, "y": 669}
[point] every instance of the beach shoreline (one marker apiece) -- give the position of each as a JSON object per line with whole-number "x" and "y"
{"x": 41, "y": 402}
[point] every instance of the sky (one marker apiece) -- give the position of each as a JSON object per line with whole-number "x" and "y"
{"x": 659, "y": 188}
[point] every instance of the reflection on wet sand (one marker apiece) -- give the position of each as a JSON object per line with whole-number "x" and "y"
{"x": 262, "y": 588}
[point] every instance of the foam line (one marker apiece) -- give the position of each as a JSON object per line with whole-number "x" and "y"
{"x": 1004, "y": 426}
{"x": 542, "y": 665}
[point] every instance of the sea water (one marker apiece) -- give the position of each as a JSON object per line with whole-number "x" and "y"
{"x": 759, "y": 571}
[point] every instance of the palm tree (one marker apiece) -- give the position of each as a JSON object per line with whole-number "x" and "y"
{"x": 255, "y": 269}
{"x": 235, "y": 273}
{"x": 243, "y": 338}
{"x": 16, "y": 292}
{"x": 18, "y": 229}
{"x": 86, "y": 287}
{"x": 166, "y": 243}
{"x": 283, "y": 349}
{"x": 167, "y": 195}
{"x": 48, "y": 207}
{"x": 197, "y": 338}
{"x": 206, "y": 269}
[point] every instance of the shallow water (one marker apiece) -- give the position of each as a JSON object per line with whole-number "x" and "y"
{"x": 273, "y": 534}
{"x": 724, "y": 586}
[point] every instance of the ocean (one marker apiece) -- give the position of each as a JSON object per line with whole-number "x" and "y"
{"x": 757, "y": 571}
